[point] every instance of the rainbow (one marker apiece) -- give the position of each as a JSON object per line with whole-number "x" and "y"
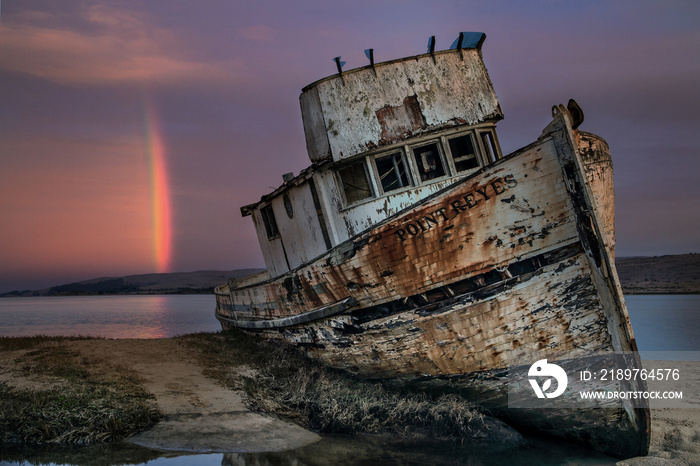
{"x": 160, "y": 196}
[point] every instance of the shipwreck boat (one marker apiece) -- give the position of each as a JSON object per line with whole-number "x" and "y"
{"x": 412, "y": 250}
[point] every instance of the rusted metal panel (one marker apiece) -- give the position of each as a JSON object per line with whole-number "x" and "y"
{"x": 371, "y": 107}
{"x": 400, "y": 122}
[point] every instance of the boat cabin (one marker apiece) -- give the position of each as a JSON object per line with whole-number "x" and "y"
{"x": 380, "y": 138}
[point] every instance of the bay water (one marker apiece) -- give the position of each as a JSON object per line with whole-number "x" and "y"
{"x": 115, "y": 316}
{"x": 661, "y": 323}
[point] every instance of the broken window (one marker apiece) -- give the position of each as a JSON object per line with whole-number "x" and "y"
{"x": 490, "y": 146}
{"x": 269, "y": 220}
{"x": 355, "y": 183}
{"x": 463, "y": 153}
{"x": 392, "y": 172}
{"x": 428, "y": 161}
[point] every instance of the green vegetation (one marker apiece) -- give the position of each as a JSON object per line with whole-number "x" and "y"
{"x": 288, "y": 384}
{"x": 76, "y": 399}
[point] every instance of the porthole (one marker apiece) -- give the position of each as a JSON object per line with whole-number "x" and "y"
{"x": 288, "y": 206}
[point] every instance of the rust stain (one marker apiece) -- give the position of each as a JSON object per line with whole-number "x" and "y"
{"x": 400, "y": 122}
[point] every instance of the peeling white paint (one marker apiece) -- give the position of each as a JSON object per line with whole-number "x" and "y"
{"x": 340, "y": 115}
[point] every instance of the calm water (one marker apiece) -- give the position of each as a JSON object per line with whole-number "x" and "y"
{"x": 150, "y": 316}
{"x": 661, "y": 323}
{"x": 334, "y": 450}
{"x": 665, "y": 322}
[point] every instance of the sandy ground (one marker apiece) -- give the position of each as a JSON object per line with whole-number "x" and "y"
{"x": 202, "y": 416}
{"x": 675, "y": 424}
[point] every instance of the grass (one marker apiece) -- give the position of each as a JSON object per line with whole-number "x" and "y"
{"x": 329, "y": 401}
{"x": 85, "y": 400}
{"x": 21, "y": 343}
{"x": 76, "y": 400}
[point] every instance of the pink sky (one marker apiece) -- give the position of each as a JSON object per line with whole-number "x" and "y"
{"x": 224, "y": 78}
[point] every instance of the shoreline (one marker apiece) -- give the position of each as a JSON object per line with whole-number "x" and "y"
{"x": 202, "y": 415}
{"x": 665, "y": 274}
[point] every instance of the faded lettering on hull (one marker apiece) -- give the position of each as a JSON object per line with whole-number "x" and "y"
{"x": 451, "y": 209}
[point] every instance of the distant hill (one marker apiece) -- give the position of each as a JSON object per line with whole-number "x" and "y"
{"x": 199, "y": 282}
{"x": 678, "y": 274}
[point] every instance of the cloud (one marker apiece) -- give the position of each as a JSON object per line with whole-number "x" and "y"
{"x": 108, "y": 47}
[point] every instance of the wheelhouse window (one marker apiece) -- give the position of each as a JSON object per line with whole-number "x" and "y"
{"x": 428, "y": 161}
{"x": 463, "y": 153}
{"x": 355, "y": 182}
{"x": 490, "y": 146}
{"x": 393, "y": 172}
{"x": 268, "y": 217}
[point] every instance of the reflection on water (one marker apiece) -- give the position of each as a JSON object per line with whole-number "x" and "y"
{"x": 149, "y": 316}
{"x": 365, "y": 450}
{"x": 158, "y": 315}
{"x": 377, "y": 451}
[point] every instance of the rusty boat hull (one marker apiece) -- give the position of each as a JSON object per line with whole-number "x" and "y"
{"x": 513, "y": 260}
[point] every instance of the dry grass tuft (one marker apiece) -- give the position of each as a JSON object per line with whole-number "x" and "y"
{"x": 288, "y": 384}
{"x": 89, "y": 401}
{"x": 21, "y": 343}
